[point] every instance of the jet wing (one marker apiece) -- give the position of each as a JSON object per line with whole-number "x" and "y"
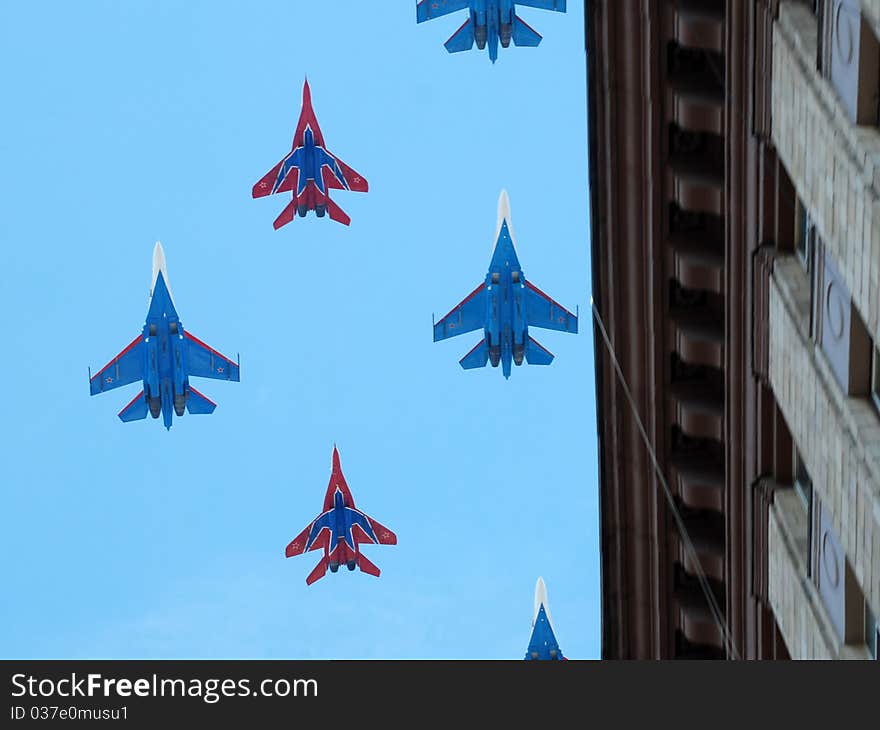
{"x": 127, "y": 367}
{"x": 542, "y": 311}
{"x": 267, "y": 183}
{"x": 467, "y": 316}
{"x": 360, "y": 530}
{"x": 430, "y": 9}
{"x": 205, "y": 362}
{"x": 557, "y": 5}
{"x": 313, "y": 537}
{"x": 355, "y": 180}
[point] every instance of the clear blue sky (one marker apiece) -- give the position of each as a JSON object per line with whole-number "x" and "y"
{"x": 130, "y": 122}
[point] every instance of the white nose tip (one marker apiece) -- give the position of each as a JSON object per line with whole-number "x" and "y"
{"x": 503, "y": 215}
{"x": 503, "y": 207}
{"x": 159, "y": 265}
{"x": 540, "y": 600}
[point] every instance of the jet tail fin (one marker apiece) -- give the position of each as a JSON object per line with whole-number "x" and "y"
{"x": 537, "y": 354}
{"x": 319, "y": 571}
{"x": 135, "y": 410}
{"x": 336, "y": 213}
{"x": 462, "y": 39}
{"x": 365, "y": 565}
{"x": 524, "y": 34}
{"x": 286, "y": 215}
{"x": 476, "y": 358}
{"x": 198, "y": 403}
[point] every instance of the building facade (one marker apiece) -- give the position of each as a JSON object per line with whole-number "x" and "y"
{"x": 735, "y": 207}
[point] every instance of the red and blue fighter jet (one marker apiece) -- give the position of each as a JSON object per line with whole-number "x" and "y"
{"x": 339, "y": 531}
{"x": 163, "y": 357}
{"x": 309, "y": 171}
{"x": 542, "y": 644}
{"x": 505, "y": 305}
{"x": 489, "y": 21}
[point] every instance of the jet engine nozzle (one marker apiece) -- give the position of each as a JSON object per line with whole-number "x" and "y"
{"x": 505, "y": 32}
{"x": 481, "y": 32}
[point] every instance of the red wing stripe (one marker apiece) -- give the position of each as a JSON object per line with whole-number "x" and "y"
{"x": 131, "y": 403}
{"x": 538, "y": 344}
{"x": 459, "y": 30}
{"x": 528, "y": 26}
{"x": 118, "y": 357}
{"x": 208, "y": 348}
{"x": 550, "y": 299}
{"x": 474, "y": 348}
{"x": 463, "y": 301}
{"x": 202, "y": 395}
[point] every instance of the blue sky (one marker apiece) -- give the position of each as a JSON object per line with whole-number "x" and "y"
{"x": 127, "y": 123}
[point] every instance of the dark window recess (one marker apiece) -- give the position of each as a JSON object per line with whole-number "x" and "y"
{"x": 697, "y": 313}
{"x": 685, "y": 444}
{"x": 698, "y": 461}
{"x": 699, "y": 387}
{"x": 696, "y": 74}
{"x": 696, "y": 156}
{"x": 690, "y": 597}
{"x": 705, "y": 528}
{"x": 685, "y": 649}
{"x": 696, "y": 236}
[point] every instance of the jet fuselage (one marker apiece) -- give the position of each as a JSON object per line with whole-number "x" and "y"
{"x": 309, "y": 161}
{"x": 166, "y": 383}
{"x": 506, "y": 330}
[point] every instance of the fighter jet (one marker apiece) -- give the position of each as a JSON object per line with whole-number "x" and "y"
{"x": 163, "y": 356}
{"x": 542, "y": 644}
{"x": 489, "y": 21}
{"x": 309, "y": 171}
{"x": 340, "y": 530}
{"x": 505, "y": 305}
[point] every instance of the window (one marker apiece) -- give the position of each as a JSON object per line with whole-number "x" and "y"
{"x": 804, "y": 236}
{"x": 803, "y": 485}
{"x": 802, "y": 481}
{"x": 872, "y": 632}
{"x": 875, "y": 376}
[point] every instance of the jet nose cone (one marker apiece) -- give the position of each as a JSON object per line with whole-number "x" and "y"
{"x": 540, "y": 592}
{"x": 540, "y": 600}
{"x": 158, "y": 256}
{"x": 503, "y": 216}
{"x": 159, "y": 266}
{"x": 503, "y": 206}
{"x": 336, "y": 464}
{"x": 307, "y": 92}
